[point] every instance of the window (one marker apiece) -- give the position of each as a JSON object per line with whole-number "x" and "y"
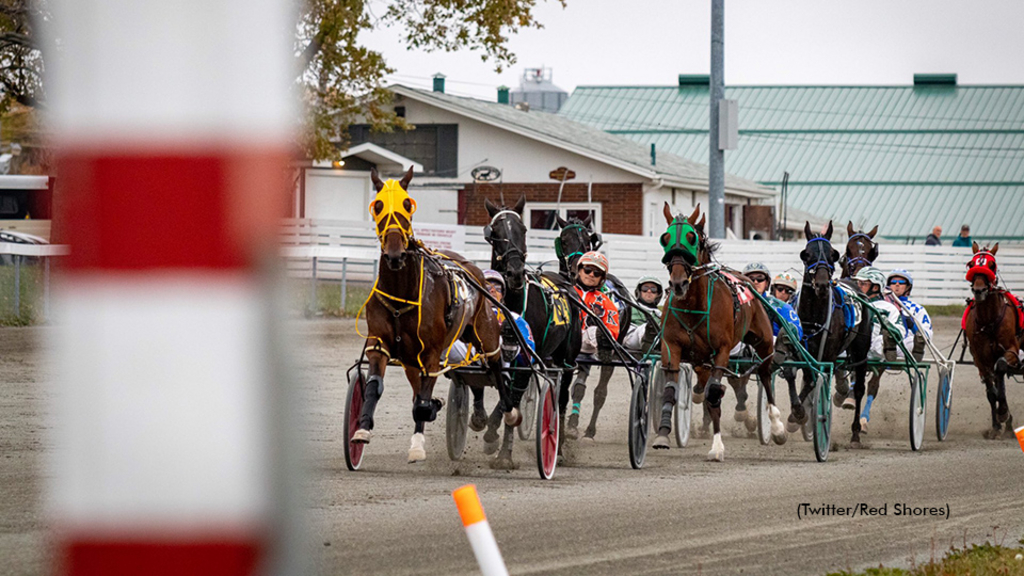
{"x": 541, "y": 215}
{"x": 436, "y": 146}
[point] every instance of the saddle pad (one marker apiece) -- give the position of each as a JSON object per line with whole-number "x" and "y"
{"x": 851, "y": 309}
{"x": 743, "y": 294}
{"x": 1014, "y": 301}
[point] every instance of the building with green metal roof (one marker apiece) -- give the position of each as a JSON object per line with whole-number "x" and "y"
{"x": 907, "y": 158}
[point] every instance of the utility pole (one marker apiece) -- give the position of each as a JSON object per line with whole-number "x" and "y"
{"x": 716, "y": 160}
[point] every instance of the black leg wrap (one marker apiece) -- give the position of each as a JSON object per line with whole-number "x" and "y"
{"x": 372, "y": 392}
{"x": 715, "y": 394}
{"x": 518, "y": 387}
{"x": 669, "y": 400}
{"x": 425, "y": 409}
{"x": 918, "y": 351}
{"x": 478, "y": 397}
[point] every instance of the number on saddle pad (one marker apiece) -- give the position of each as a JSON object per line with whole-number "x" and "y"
{"x": 559, "y": 304}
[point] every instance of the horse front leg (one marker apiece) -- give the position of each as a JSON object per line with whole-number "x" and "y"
{"x": 859, "y": 387}
{"x": 745, "y": 425}
{"x": 424, "y": 409}
{"x": 579, "y": 391}
{"x": 872, "y": 393}
{"x": 670, "y": 355}
{"x": 600, "y": 395}
{"x": 715, "y": 392}
{"x": 372, "y": 391}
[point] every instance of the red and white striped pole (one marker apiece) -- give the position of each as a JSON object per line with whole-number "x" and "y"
{"x": 172, "y": 123}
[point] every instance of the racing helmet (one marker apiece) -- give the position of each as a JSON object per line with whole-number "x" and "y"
{"x": 595, "y": 259}
{"x": 648, "y": 280}
{"x": 757, "y": 267}
{"x": 872, "y": 275}
{"x": 785, "y": 279}
{"x": 901, "y": 273}
{"x": 494, "y": 276}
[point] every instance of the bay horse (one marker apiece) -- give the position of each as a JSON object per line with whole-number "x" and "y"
{"x": 418, "y": 306}
{"x": 701, "y": 324}
{"x": 575, "y": 238}
{"x": 540, "y": 300}
{"x": 861, "y": 250}
{"x": 820, "y": 307}
{"x": 990, "y": 324}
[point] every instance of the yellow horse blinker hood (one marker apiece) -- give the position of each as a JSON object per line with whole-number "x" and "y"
{"x": 393, "y": 201}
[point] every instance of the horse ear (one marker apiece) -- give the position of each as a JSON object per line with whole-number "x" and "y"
{"x": 828, "y": 232}
{"x": 994, "y": 249}
{"x": 873, "y": 231}
{"x": 693, "y": 217}
{"x": 404, "y": 182}
{"x": 974, "y": 248}
{"x": 491, "y": 208}
{"x": 700, "y": 225}
{"x": 561, "y": 221}
{"x": 849, "y": 228}
{"x": 378, "y": 184}
{"x": 668, "y": 214}
{"x": 807, "y": 231}
{"x": 588, "y": 220}
{"x": 518, "y": 208}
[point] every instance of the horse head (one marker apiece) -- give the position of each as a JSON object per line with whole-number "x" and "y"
{"x": 686, "y": 248}
{"x": 819, "y": 259}
{"x": 577, "y": 237}
{"x": 507, "y": 236}
{"x": 981, "y": 270}
{"x": 392, "y": 210}
{"x": 861, "y": 250}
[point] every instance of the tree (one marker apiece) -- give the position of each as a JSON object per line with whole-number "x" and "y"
{"x": 340, "y": 79}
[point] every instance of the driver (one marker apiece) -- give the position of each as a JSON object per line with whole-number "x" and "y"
{"x": 641, "y": 333}
{"x": 901, "y": 283}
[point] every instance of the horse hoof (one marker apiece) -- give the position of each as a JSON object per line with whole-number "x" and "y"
{"x": 513, "y": 418}
{"x": 838, "y": 399}
{"x": 863, "y": 425}
{"x": 751, "y": 424}
{"x": 791, "y": 426}
{"x": 855, "y": 445}
{"x": 1009, "y": 426}
{"x": 503, "y": 462}
{"x": 490, "y": 446}
{"x": 740, "y": 416}
{"x": 849, "y": 404}
{"x": 362, "y": 436}
{"x": 992, "y": 434}
{"x": 572, "y": 432}
{"x": 590, "y": 432}
{"x": 661, "y": 442}
{"x": 698, "y": 397}
{"x": 478, "y": 421}
{"x": 588, "y": 439}
{"x": 717, "y": 452}
{"x": 417, "y": 449}
{"x": 779, "y": 439}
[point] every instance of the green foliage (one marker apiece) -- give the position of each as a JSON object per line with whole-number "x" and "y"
{"x": 977, "y": 560}
{"x": 947, "y": 310}
{"x": 328, "y": 299}
{"x": 31, "y": 306}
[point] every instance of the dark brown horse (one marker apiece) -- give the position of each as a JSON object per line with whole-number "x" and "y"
{"x": 861, "y": 250}
{"x": 990, "y": 326}
{"x": 701, "y": 324}
{"x": 418, "y": 307}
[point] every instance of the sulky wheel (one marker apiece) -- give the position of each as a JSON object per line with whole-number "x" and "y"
{"x": 528, "y": 408}
{"x": 457, "y": 418}
{"x": 917, "y": 409}
{"x": 547, "y": 430}
{"x": 657, "y": 395}
{"x": 684, "y": 405}
{"x": 353, "y": 408}
{"x": 807, "y": 430}
{"x": 764, "y": 424}
{"x": 822, "y": 418}
{"x": 943, "y": 402}
{"x": 639, "y": 425}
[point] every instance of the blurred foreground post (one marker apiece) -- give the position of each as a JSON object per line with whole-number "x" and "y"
{"x": 172, "y": 123}
{"x": 478, "y": 530}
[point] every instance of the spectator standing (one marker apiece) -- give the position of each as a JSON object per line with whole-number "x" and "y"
{"x": 933, "y": 238}
{"x": 964, "y": 239}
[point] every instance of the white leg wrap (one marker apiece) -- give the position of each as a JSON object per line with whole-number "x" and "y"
{"x": 717, "y": 452}
{"x": 417, "y": 448}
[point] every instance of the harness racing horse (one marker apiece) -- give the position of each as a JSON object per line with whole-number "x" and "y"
{"x": 861, "y": 250}
{"x": 417, "y": 308}
{"x": 820, "y": 307}
{"x": 991, "y": 326}
{"x": 541, "y": 301}
{"x": 701, "y": 323}
{"x": 576, "y": 238}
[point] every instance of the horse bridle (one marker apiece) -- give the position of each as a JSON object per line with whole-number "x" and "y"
{"x": 510, "y": 248}
{"x": 849, "y": 262}
{"x": 820, "y": 262}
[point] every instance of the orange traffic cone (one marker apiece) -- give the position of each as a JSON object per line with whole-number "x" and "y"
{"x": 1020, "y": 436}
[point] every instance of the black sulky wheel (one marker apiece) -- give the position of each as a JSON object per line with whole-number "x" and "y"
{"x": 822, "y": 416}
{"x": 457, "y": 418}
{"x": 764, "y": 423}
{"x": 943, "y": 402}
{"x": 684, "y": 405}
{"x": 656, "y": 396}
{"x": 917, "y": 409}
{"x": 528, "y": 408}
{"x": 547, "y": 430}
{"x": 639, "y": 425}
{"x": 353, "y": 409}
{"x": 807, "y": 430}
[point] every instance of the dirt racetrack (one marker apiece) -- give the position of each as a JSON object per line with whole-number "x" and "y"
{"x": 679, "y": 514}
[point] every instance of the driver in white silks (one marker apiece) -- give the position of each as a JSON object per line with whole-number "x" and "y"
{"x": 871, "y": 282}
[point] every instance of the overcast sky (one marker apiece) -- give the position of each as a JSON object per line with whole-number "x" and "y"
{"x": 650, "y": 42}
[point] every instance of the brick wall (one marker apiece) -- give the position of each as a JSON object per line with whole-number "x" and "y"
{"x": 621, "y": 204}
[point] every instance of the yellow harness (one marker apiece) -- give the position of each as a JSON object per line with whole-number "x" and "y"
{"x": 393, "y": 201}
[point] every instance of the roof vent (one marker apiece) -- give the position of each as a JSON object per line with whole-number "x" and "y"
{"x": 934, "y": 79}
{"x": 502, "y": 94}
{"x": 694, "y": 80}
{"x": 439, "y": 82}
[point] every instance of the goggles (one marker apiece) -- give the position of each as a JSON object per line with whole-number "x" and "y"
{"x": 897, "y": 282}
{"x": 592, "y": 270}
{"x": 785, "y": 289}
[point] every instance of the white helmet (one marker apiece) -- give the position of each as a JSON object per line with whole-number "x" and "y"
{"x": 871, "y": 274}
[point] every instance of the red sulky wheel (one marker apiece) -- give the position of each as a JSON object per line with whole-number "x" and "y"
{"x": 547, "y": 431}
{"x": 353, "y": 408}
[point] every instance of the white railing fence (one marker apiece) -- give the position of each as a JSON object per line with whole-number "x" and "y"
{"x": 346, "y": 252}
{"x": 25, "y": 277}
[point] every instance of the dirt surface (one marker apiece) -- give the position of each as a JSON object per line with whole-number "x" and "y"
{"x": 680, "y": 514}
